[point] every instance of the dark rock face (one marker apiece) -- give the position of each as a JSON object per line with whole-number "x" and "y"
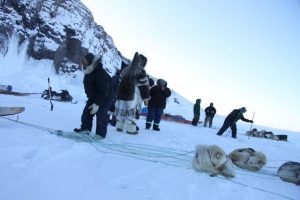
{"x": 59, "y": 30}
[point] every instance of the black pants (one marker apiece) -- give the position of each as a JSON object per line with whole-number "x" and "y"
{"x": 154, "y": 113}
{"x": 101, "y": 118}
{"x": 195, "y": 119}
{"x": 226, "y": 125}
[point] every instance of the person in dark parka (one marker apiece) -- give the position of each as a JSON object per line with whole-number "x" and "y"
{"x": 196, "y": 111}
{"x": 231, "y": 119}
{"x": 210, "y": 112}
{"x": 157, "y": 103}
{"x": 97, "y": 86}
{"x": 115, "y": 83}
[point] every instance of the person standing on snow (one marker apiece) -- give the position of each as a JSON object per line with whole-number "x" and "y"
{"x": 210, "y": 112}
{"x": 112, "y": 119}
{"x": 157, "y": 103}
{"x": 196, "y": 111}
{"x": 231, "y": 119}
{"x": 97, "y": 86}
{"x": 132, "y": 91}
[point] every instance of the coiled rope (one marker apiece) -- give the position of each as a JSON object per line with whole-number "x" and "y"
{"x": 147, "y": 153}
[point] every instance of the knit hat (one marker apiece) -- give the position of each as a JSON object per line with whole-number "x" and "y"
{"x": 243, "y": 109}
{"x": 161, "y": 82}
{"x": 89, "y": 58}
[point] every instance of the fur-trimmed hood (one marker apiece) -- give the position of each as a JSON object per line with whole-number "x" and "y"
{"x": 90, "y": 68}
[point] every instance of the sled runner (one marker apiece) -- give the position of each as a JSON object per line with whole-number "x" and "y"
{"x": 4, "y": 111}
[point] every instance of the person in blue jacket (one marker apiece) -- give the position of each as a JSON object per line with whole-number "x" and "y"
{"x": 231, "y": 119}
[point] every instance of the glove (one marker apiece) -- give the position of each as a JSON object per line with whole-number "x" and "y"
{"x": 146, "y": 102}
{"x": 94, "y": 108}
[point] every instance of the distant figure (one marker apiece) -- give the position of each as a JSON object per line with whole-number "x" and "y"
{"x": 196, "y": 112}
{"x": 97, "y": 86}
{"x": 210, "y": 112}
{"x": 231, "y": 119}
{"x": 157, "y": 103}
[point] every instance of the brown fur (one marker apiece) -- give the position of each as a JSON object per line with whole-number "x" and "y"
{"x": 248, "y": 158}
{"x": 290, "y": 172}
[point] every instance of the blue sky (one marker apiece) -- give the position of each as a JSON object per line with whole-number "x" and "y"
{"x": 233, "y": 53}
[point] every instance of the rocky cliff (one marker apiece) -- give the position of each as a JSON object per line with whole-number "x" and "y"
{"x": 59, "y": 30}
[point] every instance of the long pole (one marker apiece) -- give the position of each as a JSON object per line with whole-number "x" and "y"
{"x": 50, "y": 94}
{"x": 251, "y": 123}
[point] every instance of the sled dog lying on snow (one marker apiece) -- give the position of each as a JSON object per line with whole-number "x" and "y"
{"x": 290, "y": 172}
{"x": 248, "y": 158}
{"x": 213, "y": 160}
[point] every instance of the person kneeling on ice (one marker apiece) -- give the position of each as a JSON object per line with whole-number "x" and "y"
{"x": 97, "y": 86}
{"x": 231, "y": 119}
{"x": 157, "y": 103}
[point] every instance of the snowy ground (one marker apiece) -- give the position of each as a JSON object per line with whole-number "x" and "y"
{"x": 36, "y": 165}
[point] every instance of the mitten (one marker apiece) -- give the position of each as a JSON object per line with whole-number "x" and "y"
{"x": 94, "y": 108}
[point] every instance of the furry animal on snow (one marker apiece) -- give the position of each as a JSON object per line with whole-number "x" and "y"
{"x": 213, "y": 160}
{"x": 248, "y": 158}
{"x": 290, "y": 172}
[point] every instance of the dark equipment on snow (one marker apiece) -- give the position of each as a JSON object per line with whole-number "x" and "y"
{"x": 63, "y": 96}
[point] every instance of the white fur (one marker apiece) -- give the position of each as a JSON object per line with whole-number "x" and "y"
{"x": 249, "y": 159}
{"x": 89, "y": 69}
{"x": 290, "y": 172}
{"x": 212, "y": 159}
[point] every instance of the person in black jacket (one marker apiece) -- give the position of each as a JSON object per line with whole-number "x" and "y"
{"x": 115, "y": 83}
{"x": 157, "y": 103}
{"x": 210, "y": 112}
{"x": 231, "y": 119}
{"x": 97, "y": 86}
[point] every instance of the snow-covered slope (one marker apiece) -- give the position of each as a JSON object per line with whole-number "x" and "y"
{"x": 35, "y": 164}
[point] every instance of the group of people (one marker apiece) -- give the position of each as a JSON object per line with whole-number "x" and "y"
{"x": 210, "y": 112}
{"x": 230, "y": 120}
{"x": 119, "y": 99}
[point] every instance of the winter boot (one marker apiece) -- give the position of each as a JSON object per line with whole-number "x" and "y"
{"x": 131, "y": 128}
{"x": 120, "y": 125}
{"x": 79, "y": 130}
{"x": 113, "y": 121}
{"x": 148, "y": 125}
{"x": 156, "y": 127}
{"x": 98, "y": 137}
